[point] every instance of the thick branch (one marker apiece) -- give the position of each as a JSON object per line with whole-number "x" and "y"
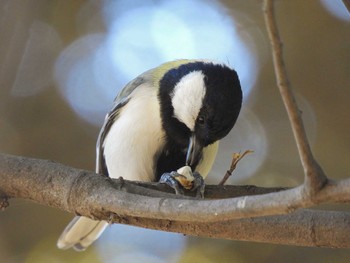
{"x": 302, "y": 228}
{"x": 81, "y": 192}
{"x": 95, "y": 196}
{"x": 85, "y": 193}
{"x": 314, "y": 175}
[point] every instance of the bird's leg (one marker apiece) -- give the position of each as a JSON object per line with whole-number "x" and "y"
{"x": 169, "y": 179}
{"x": 198, "y": 185}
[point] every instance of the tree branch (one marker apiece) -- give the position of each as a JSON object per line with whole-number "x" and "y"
{"x": 347, "y": 5}
{"x": 118, "y": 201}
{"x": 84, "y": 193}
{"x": 314, "y": 175}
{"x": 302, "y": 228}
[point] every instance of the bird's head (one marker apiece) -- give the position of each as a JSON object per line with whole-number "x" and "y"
{"x": 200, "y": 102}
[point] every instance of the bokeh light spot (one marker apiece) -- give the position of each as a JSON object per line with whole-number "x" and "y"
{"x": 35, "y": 69}
{"x": 337, "y": 9}
{"x": 134, "y": 243}
{"x": 142, "y": 35}
{"x": 81, "y": 72}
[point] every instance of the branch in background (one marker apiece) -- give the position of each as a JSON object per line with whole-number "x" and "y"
{"x": 315, "y": 178}
{"x": 347, "y": 5}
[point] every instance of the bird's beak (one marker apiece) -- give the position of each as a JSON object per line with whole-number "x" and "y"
{"x": 194, "y": 151}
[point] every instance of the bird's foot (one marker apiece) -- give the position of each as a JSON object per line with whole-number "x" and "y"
{"x": 183, "y": 178}
{"x": 170, "y": 179}
{"x": 198, "y": 185}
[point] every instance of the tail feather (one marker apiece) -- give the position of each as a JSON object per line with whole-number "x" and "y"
{"x": 80, "y": 233}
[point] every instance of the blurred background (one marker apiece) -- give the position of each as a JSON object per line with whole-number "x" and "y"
{"x": 63, "y": 62}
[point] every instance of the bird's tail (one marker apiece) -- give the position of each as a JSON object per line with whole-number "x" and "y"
{"x": 80, "y": 233}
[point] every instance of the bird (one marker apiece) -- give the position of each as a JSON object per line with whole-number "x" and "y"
{"x": 169, "y": 117}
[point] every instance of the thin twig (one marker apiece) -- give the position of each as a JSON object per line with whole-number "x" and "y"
{"x": 236, "y": 157}
{"x": 315, "y": 178}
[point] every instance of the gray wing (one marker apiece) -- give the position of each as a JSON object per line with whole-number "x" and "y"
{"x": 120, "y": 101}
{"x": 132, "y": 85}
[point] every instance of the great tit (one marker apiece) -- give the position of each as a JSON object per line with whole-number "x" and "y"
{"x": 168, "y": 117}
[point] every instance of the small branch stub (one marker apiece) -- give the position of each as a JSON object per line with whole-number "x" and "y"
{"x": 236, "y": 157}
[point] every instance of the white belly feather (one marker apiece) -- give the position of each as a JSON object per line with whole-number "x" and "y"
{"x": 135, "y": 138}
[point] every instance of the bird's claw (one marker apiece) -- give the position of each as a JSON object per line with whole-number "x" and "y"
{"x": 169, "y": 179}
{"x": 178, "y": 183}
{"x": 198, "y": 185}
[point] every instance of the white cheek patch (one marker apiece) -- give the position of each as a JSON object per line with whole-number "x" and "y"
{"x": 187, "y": 98}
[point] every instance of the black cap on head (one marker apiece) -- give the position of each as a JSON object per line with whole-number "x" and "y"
{"x": 220, "y": 106}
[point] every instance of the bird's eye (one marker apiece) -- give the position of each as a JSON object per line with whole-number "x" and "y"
{"x": 200, "y": 120}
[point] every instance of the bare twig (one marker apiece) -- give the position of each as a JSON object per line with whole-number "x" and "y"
{"x": 314, "y": 175}
{"x": 236, "y": 157}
